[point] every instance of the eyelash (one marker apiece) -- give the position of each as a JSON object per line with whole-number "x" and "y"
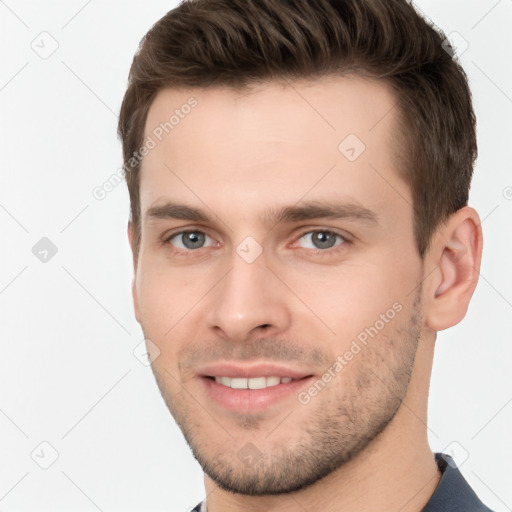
{"x": 331, "y": 250}
{"x": 323, "y": 252}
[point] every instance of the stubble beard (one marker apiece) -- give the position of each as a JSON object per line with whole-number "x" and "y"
{"x": 337, "y": 428}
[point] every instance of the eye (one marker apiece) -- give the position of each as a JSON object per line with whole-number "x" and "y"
{"x": 320, "y": 239}
{"x": 190, "y": 240}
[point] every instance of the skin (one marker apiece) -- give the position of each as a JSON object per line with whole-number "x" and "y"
{"x": 361, "y": 443}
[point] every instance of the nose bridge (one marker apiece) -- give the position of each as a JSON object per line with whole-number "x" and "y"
{"x": 248, "y": 298}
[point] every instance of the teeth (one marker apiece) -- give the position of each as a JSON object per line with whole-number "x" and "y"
{"x": 252, "y": 383}
{"x": 238, "y": 383}
{"x": 273, "y": 381}
{"x": 257, "y": 383}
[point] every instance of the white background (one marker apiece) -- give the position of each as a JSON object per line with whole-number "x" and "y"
{"x": 68, "y": 373}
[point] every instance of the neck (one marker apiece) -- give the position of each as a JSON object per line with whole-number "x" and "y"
{"x": 397, "y": 471}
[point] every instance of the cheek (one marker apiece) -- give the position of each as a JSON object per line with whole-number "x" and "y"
{"x": 164, "y": 309}
{"x": 158, "y": 292}
{"x": 345, "y": 300}
{"x": 168, "y": 296}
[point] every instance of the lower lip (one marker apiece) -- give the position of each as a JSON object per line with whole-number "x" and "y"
{"x": 252, "y": 400}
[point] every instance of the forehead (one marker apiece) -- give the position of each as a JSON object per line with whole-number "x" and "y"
{"x": 325, "y": 109}
{"x": 272, "y": 143}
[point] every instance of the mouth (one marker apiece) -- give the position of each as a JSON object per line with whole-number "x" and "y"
{"x": 253, "y": 382}
{"x": 254, "y": 388}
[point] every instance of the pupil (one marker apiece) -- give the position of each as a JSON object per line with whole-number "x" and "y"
{"x": 324, "y": 240}
{"x": 193, "y": 240}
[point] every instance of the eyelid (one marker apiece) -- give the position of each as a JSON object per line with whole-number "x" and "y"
{"x": 167, "y": 237}
{"x": 347, "y": 239}
{"x": 183, "y": 229}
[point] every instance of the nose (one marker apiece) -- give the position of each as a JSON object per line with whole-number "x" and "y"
{"x": 249, "y": 301}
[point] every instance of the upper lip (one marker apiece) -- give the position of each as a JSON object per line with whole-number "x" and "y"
{"x": 230, "y": 369}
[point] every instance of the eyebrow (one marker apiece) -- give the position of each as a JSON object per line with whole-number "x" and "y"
{"x": 307, "y": 210}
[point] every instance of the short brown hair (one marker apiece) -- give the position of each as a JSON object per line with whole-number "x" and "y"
{"x": 236, "y": 43}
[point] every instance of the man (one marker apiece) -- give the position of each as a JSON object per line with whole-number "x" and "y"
{"x": 298, "y": 175}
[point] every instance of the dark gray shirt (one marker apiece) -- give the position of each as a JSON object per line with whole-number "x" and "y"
{"x": 452, "y": 494}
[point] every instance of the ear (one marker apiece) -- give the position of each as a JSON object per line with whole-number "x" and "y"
{"x": 455, "y": 255}
{"x": 134, "y": 281}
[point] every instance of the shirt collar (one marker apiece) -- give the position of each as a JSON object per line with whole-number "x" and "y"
{"x": 452, "y": 493}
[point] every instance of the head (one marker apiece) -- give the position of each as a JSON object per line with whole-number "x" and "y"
{"x": 318, "y": 157}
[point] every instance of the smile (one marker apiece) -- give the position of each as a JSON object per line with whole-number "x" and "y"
{"x": 251, "y": 383}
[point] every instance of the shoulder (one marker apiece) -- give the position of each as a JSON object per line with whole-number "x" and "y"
{"x": 453, "y": 493}
{"x": 200, "y": 507}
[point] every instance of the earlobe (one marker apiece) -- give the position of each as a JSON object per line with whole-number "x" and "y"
{"x": 456, "y": 254}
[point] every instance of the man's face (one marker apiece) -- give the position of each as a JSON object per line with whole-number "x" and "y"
{"x": 268, "y": 283}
